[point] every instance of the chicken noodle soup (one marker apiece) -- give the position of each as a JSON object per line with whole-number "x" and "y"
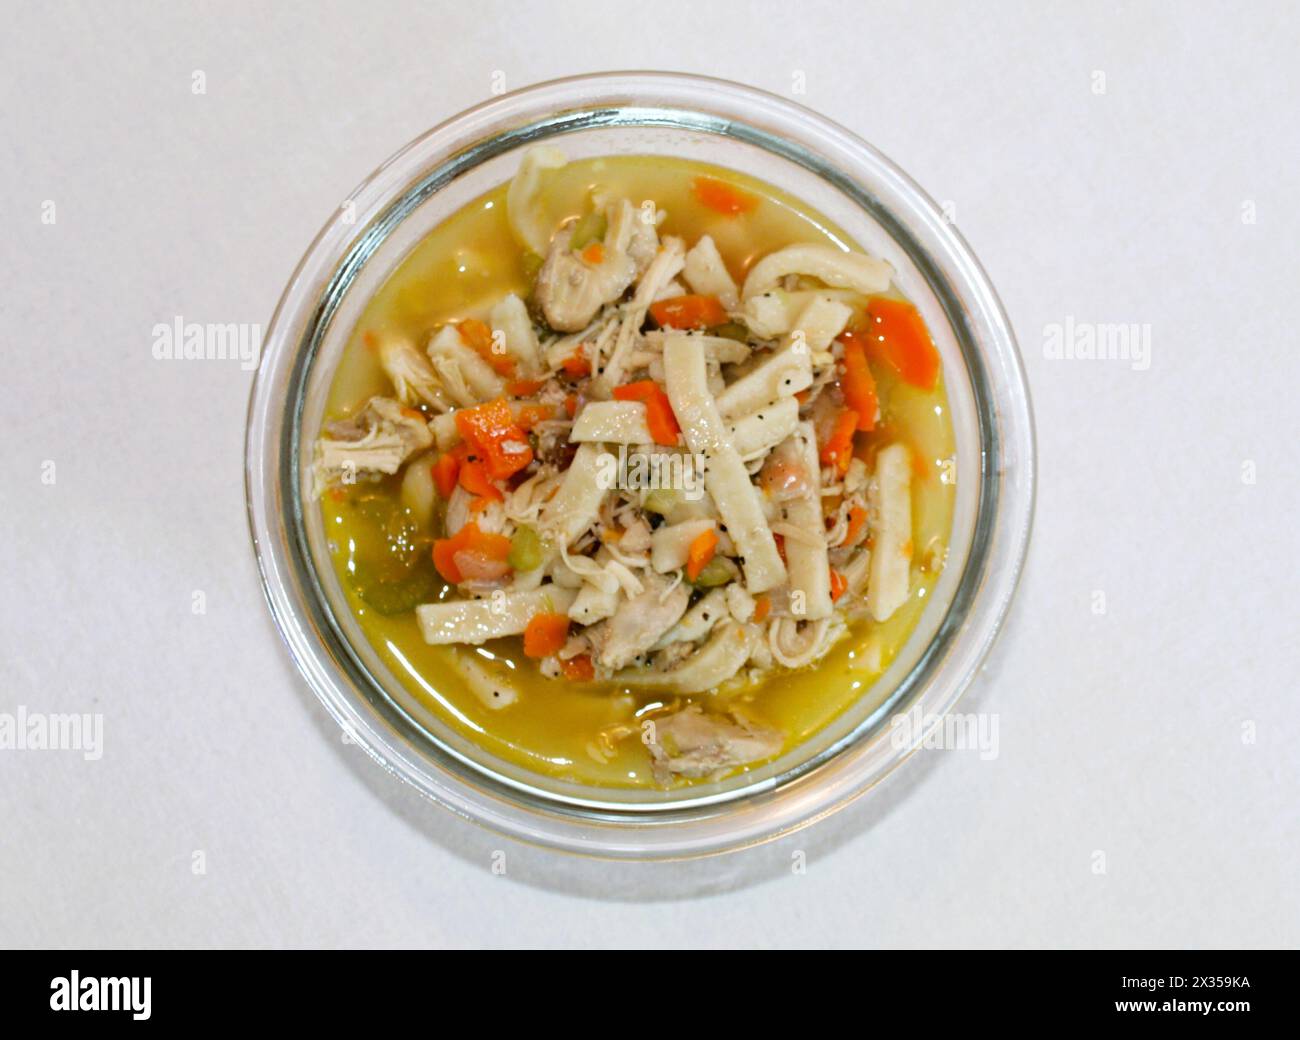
{"x": 637, "y": 470}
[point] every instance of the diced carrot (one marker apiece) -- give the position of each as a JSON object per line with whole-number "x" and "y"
{"x": 837, "y": 448}
{"x": 593, "y": 254}
{"x": 701, "y": 551}
{"x": 920, "y": 466}
{"x": 762, "y": 607}
{"x": 469, "y": 545}
{"x": 370, "y": 340}
{"x": 531, "y": 414}
{"x": 571, "y": 405}
{"x": 721, "y": 197}
{"x": 443, "y": 560}
{"x": 494, "y": 436}
{"x": 576, "y": 364}
{"x": 899, "y": 330}
{"x": 478, "y": 335}
{"x": 857, "y": 384}
{"x": 546, "y": 634}
{"x": 780, "y": 546}
{"x": 474, "y": 479}
{"x": 659, "y": 415}
{"x": 839, "y": 585}
{"x": 579, "y": 668}
{"x": 337, "y": 494}
{"x": 445, "y": 472}
{"x": 688, "y": 312}
{"x": 857, "y": 520}
{"x": 661, "y": 420}
{"x": 524, "y": 387}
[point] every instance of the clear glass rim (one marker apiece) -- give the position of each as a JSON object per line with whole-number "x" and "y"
{"x": 689, "y": 827}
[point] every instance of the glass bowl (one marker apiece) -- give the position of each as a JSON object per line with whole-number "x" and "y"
{"x": 814, "y": 160}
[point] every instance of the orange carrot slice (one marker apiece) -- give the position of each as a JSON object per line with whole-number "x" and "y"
{"x": 701, "y": 551}
{"x": 897, "y": 328}
{"x": 579, "y": 668}
{"x": 546, "y": 634}
{"x": 576, "y": 364}
{"x": 524, "y": 387}
{"x": 474, "y": 479}
{"x": 531, "y": 414}
{"x": 494, "y": 436}
{"x": 857, "y": 521}
{"x": 857, "y": 383}
{"x": 445, "y": 472}
{"x": 721, "y": 197}
{"x": 837, "y": 449}
{"x": 478, "y": 335}
{"x": 688, "y": 312}
{"x": 472, "y": 549}
{"x": 659, "y": 415}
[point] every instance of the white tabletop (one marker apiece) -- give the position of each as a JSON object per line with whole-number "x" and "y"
{"x": 1156, "y": 739}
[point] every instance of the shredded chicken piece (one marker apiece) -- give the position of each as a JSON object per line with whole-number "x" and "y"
{"x": 411, "y": 374}
{"x": 639, "y": 622}
{"x": 692, "y": 744}
{"x": 378, "y": 439}
{"x": 571, "y": 289}
{"x": 667, "y": 262}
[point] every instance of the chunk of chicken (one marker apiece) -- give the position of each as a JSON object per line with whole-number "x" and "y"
{"x": 413, "y": 378}
{"x": 571, "y": 289}
{"x": 378, "y": 439}
{"x": 465, "y": 376}
{"x": 642, "y": 230}
{"x": 639, "y": 622}
{"x": 692, "y": 744}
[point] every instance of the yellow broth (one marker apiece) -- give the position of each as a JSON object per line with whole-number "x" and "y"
{"x": 461, "y": 268}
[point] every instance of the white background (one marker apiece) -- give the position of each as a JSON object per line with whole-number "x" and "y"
{"x": 1123, "y": 733}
